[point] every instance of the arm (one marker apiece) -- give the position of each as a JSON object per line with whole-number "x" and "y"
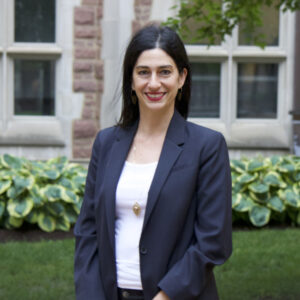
{"x": 87, "y": 279}
{"x": 212, "y": 230}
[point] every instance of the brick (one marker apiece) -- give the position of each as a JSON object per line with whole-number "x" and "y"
{"x": 85, "y": 53}
{"x": 86, "y": 33}
{"x": 99, "y": 71}
{"x": 82, "y": 67}
{"x": 82, "y": 152}
{"x": 84, "y": 128}
{"x": 84, "y": 16}
{"x": 88, "y": 112}
{"x": 100, "y": 12}
{"x": 86, "y": 86}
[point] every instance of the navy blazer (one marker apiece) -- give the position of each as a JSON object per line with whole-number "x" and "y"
{"x": 187, "y": 224}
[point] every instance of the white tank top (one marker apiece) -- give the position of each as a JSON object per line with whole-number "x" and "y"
{"x": 133, "y": 186}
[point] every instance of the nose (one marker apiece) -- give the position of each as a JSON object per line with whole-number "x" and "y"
{"x": 154, "y": 82}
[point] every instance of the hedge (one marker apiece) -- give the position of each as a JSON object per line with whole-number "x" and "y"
{"x": 50, "y": 193}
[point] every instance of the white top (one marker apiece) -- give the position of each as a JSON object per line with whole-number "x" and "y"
{"x": 133, "y": 186}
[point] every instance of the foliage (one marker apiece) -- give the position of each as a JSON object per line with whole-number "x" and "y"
{"x": 48, "y": 194}
{"x": 217, "y": 18}
{"x": 265, "y": 189}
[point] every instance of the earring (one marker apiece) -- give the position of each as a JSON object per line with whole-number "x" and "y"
{"x": 133, "y": 97}
{"x": 179, "y": 94}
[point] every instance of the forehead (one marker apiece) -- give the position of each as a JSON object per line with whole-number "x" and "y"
{"x": 154, "y": 58}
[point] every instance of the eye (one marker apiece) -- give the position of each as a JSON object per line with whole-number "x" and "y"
{"x": 143, "y": 72}
{"x": 165, "y": 72}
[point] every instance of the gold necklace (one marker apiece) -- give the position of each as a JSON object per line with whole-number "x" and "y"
{"x": 136, "y": 208}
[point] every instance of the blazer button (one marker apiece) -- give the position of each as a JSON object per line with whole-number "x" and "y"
{"x": 143, "y": 250}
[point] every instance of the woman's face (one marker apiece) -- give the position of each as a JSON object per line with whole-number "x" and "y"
{"x": 156, "y": 80}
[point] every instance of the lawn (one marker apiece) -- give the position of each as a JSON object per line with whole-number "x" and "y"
{"x": 265, "y": 265}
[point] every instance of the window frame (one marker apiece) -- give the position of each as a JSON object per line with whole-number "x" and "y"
{"x": 29, "y": 130}
{"x": 246, "y": 132}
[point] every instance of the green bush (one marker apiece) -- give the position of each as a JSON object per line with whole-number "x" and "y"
{"x": 48, "y": 194}
{"x": 266, "y": 189}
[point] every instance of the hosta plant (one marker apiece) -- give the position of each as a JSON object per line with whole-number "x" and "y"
{"x": 48, "y": 193}
{"x": 266, "y": 189}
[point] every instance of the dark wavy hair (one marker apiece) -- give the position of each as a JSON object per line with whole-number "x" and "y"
{"x": 147, "y": 38}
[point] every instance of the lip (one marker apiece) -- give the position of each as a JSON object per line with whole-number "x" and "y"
{"x": 154, "y": 97}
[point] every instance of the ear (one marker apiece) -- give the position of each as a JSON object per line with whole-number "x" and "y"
{"x": 182, "y": 77}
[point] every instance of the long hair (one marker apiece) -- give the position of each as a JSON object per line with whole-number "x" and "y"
{"x": 147, "y": 38}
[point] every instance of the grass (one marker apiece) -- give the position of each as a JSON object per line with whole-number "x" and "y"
{"x": 265, "y": 265}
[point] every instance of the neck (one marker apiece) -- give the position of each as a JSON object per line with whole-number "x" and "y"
{"x": 156, "y": 123}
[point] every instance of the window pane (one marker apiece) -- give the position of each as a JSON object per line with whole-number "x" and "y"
{"x": 270, "y": 29}
{"x": 35, "y": 21}
{"x": 205, "y": 96}
{"x": 193, "y": 24}
{"x": 257, "y": 90}
{"x": 34, "y": 87}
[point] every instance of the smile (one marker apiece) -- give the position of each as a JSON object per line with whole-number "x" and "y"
{"x": 155, "y": 96}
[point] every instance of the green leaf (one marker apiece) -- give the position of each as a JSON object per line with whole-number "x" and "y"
{"x": 238, "y": 165}
{"x": 274, "y": 179}
{"x": 67, "y": 183}
{"x": 55, "y": 208}
{"x": 63, "y": 223}
{"x": 52, "y": 192}
{"x": 246, "y": 178}
{"x": 46, "y": 222}
{"x": 286, "y": 168}
{"x": 32, "y": 217}
{"x": 36, "y": 196}
{"x": 4, "y": 186}
{"x": 20, "y": 184}
{"x": 259, "y": 215}
{"x": 12, "y": 222}
{"x": 290, "y": 198}
{"x": 258, "y": 188}
{"x": 244, "y": 204}
{"x": 69, "y": 196}
{"x": 20, "y": 207}
{"x": 2, "y": 208}
{"x": 255, "y": 165}
{"x": 50, "y": 174}
{"x": 276, "y": 204}
{"x": 71, "y": 214}
{"x": 11, "y": 162}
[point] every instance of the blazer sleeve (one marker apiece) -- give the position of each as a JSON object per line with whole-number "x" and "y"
{"x": 212, "y": 230}
{"x": 87, "y": 279}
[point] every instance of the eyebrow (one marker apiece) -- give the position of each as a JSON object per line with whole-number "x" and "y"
{"x": 160, "y": 67}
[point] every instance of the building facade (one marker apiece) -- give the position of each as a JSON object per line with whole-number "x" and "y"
{"x": 60, "y": 76}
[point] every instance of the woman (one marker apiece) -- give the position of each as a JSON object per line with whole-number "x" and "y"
{"x": 156, "y": 216}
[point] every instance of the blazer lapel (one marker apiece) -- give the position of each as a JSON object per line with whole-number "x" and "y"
{"x": 116, "y": 159}
{"x": 170, "y": 152}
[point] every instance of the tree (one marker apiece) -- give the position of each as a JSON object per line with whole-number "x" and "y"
{"x": 215, "y": 19}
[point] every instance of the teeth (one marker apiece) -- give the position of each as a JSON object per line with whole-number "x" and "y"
{"x": 155, "y": 95}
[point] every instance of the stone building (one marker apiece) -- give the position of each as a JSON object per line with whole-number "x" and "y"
{"x": 60, "y": 73}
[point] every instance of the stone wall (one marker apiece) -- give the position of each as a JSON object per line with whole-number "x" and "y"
{"x": 142, "y": 12}
{"x": 88, "y": 67}
{"x": 87, "y": 74}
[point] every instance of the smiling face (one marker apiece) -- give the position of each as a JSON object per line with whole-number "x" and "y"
{"x": 156, "y": 81}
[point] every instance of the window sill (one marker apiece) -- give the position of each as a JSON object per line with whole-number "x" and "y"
{"x": 33, "y": 133}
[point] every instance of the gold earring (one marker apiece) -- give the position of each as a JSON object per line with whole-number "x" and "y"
{"x": 133, "y": 97}
{"x": 179, "y": 94}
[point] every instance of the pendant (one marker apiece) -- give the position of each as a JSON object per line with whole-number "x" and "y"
{"x": 136, "y": 208}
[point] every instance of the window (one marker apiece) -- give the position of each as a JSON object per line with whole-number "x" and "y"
{"x": 31, "y": 54}
{"x": 245, "y": 91}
